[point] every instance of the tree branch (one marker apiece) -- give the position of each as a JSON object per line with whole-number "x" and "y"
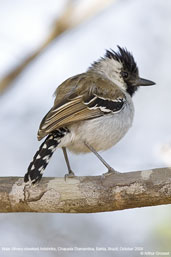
{"x": 71, "y": 17}
{"x": 87, "y": 194}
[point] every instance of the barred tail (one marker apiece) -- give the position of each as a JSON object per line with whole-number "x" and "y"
{"x": 43, "y": 155}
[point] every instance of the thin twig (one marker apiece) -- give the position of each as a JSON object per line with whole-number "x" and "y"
{"x": 70, "y": 18}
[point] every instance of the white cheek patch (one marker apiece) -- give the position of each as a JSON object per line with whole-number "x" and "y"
{"x": 112, "y": 69}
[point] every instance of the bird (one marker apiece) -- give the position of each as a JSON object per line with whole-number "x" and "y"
{"x": 92, "y": 111}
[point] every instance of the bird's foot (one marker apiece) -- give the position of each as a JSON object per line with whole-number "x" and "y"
{"x": 110, "y": 172}
{"x": 69, "y": 175}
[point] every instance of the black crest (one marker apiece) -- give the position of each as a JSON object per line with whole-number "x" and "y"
{"x": 125, "y": 57}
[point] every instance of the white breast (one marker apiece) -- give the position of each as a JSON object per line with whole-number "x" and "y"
{"x": 101, "y": 133}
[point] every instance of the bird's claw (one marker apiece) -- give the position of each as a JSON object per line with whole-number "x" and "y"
{"x": 69, "y": 175}
{"x": 110, "y": 172}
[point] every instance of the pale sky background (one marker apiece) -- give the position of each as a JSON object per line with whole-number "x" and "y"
{"x": 144, "y": 27}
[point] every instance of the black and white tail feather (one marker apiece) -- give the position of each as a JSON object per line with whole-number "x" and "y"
{"x": 43, "y": 155}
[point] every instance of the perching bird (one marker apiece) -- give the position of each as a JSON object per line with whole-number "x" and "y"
{"x": 92, "y": 111}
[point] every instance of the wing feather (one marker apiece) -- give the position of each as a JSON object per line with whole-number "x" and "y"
{"x": 71, "y": 112}
{"x": 81, "y": 107}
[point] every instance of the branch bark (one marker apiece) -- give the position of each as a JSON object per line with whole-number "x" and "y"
{"x": 87, "y": 194}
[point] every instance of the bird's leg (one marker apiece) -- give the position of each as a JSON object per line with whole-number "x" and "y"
{"x": 70, "y": 172}
{"x": 110, "y": 169}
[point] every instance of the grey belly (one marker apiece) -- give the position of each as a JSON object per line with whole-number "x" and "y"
{"x": 101, "y": 133}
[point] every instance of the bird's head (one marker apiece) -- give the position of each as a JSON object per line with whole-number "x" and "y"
{"x": 127, "y": 70}
{"x": 122, "y": 69}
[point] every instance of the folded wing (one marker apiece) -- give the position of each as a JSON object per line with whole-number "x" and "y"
{"x": 92, "y": 104}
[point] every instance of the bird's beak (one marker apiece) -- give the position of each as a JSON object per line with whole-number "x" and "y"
{"x": 144, "y": 82}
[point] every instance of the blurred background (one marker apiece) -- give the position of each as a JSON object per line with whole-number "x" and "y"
{"x": 43, "y": 43}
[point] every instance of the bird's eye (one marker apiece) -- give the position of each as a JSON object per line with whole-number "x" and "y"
{"x": 125, "y": 74}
